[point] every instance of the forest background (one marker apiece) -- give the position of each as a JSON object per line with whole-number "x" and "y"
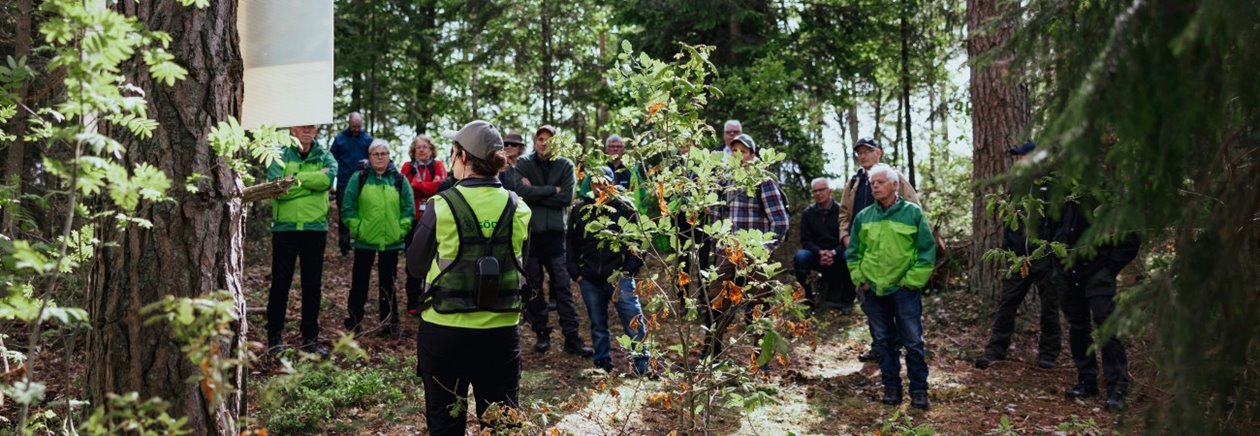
{"x": 1148, "y": 104}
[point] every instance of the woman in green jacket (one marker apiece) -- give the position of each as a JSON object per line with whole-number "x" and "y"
{"x": 469, "y": 249}
{"x": 378, "y": 212}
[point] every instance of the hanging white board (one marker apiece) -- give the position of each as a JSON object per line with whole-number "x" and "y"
{"x": 287, "y": 48}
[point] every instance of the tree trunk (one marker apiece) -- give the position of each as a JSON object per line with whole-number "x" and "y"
{"x": 15, "y": 159}
{"x": 905, "y": 87}
{"x": 548, "y": 80}
{"x": 195, "y": 244}
{"x": 998, "y": 118}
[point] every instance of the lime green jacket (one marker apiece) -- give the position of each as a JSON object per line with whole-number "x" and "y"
{"x": 305, "y": 206}
{"x": 891, "y": 248}
{"x": 378, "y": 210}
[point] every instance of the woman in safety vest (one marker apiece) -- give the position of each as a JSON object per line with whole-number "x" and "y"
{"x": 468, "y": 248}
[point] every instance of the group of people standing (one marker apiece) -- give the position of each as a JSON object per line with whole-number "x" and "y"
{"x": 482, "y": 229}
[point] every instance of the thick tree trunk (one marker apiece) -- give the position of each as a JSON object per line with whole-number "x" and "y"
{"x": 195, "y": 244}
{"x": 15, "y": 158}
{"x": 998, "y": 118}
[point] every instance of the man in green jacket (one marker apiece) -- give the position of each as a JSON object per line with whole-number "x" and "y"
{"x": 378, "y": 208}
{"x": 890, "y": 257}
{"x": 299, "y": 228}
{"x": 547, "y": 187}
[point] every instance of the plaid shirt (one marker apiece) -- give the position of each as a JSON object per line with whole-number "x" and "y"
{"x": 763, "y": 211}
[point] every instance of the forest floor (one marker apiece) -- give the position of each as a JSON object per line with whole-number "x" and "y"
{"x": 824, "y": 390}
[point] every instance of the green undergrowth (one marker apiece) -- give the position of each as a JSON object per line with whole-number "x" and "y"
{"x": 320, "y": 396}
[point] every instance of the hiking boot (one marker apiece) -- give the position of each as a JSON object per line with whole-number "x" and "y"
{"x": 390, "y": 331}
{"x": 869, "y": 356}
{"x": 1115, "y": 399}
{"x": 576, "y": 347}
{"x": 543, "y": 344}
{"x": 1082, "y": 390}
{"x": 1046, "y": 363}
{"x": 984, "y": 362}
{"x": 892, "y": 396}
{"x": 605, "y": 365}
{"x": 919, "y": 400}
{"x": 275, "y": 345}
{"x": 314, "y": 347}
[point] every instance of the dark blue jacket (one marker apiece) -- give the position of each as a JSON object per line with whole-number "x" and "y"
{"x": 349, "y": 151}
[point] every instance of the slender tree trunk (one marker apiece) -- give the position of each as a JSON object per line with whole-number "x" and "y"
{"x": 878, "y": 133}
{"x": 548, "y": 79}
{"x": 905, "y": 87}
{"x": 15, "y": 158}
{"x": 195, "y": 244}
{"x": 999, "y": 116}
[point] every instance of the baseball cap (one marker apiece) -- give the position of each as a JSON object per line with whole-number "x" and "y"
{"x": 548, "y": 128}
{"x": 478, "y": 137}
{"x": 1021, "y": 150}
{"x": 867, "y": 142}
{"x": 743, "y": 138}
{"x": 513, "y": 138}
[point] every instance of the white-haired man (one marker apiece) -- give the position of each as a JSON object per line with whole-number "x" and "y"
{"x": 890, "y": 258}
{"x": 615, "y": 147}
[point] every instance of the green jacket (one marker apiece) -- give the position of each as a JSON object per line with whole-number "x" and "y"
{"x": 891, "y": 249}
{"x": 305, "y": 206}
{"x": 379, "y": 213}
{"x": 550, "y": 208}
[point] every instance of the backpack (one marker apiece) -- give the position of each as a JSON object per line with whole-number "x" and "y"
{"x": 398, "y": 182}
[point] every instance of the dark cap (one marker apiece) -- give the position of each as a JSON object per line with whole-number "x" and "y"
{"x": 548, "y": 128}
{"x": 513, "y": 138}
{"x": 867, "y": 142}
{"x": 478, "y": 137}
{"x": 743, "y": 138}
{"x": 1028, "y": 147}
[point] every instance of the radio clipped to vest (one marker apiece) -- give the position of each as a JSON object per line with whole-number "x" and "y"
{"x": 485, "y": 274}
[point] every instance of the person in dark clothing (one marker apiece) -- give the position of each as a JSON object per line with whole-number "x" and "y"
{"x": 350, "y": 148}
{"x": 1040, "y": 272}
{"x": 1088, "y": 298}
{"x": 820, "y": 244}
{"x": 547, "y": 186}
{"x": 615, "y": 147}
{"x": 593, "y": 263}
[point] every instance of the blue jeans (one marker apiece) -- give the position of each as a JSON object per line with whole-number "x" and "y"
{"x": 597, "y": 296}
{"x": 897, "y": 322}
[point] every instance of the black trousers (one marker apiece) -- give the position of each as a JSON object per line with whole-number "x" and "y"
{"x": 1087, "y": 303}
{"x": 414, "y": 285}
{"x": 286, "y": 249}
{"x": 1043, "y": 274}
{"x": 547, "y": 251}
{"x": 343, "y": 232}
{"x": 386, "y": 271}
{"x": 449, "y": 359}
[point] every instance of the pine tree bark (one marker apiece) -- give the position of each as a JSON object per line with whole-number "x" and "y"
{"x": 195, "y": 244}
{"x": 15, "y": 158}
{"x": 999, "y": 117}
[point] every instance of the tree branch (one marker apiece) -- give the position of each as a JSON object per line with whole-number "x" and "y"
{"x": 267, "y": 191}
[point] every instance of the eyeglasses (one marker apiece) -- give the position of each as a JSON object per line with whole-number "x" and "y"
{"x": 819, "y": 190}
{"x": 733, "y": 132}
{"x": 508, "y": 144}
{"x": 379, "y": 154}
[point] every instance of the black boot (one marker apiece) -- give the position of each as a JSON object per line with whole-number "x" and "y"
{"x": 919, "y": 399}
{"x": 275, "y": 344}
{"x": 1115, "y": 398}
{"x": 869, "y": 356}
{"x": 1083, "y": 390}
{"x": 314, "y": 347}
{"x": 984, "y": 362}
{"x": 574, "y": 345}
{"x": 892, "y": 396}
{"x": 544, "y": 343}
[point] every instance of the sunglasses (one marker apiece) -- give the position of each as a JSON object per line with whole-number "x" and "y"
{"x": 508, "y": 144}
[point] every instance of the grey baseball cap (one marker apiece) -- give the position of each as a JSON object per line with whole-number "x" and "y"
{"x": 743, "y": 138}
{"x": 478, "y": 137}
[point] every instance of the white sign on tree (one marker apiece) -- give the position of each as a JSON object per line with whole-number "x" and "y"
{"x": 287, "y": 48}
